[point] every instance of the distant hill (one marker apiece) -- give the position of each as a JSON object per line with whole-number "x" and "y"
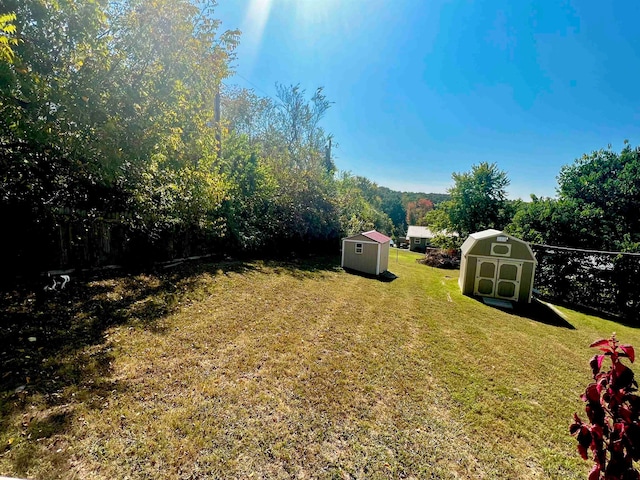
{"x": 436, "y": 198}
{"x": 394, "y": 204}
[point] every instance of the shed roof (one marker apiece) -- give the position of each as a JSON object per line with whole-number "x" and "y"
{"x": 370, "y": 235}
{"x": 491, "y": 233}
{"x": 376, "y": 236}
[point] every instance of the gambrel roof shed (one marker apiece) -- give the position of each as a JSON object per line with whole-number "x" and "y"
{"x": 366, "y": 252}
{"x": 496, "y": 264}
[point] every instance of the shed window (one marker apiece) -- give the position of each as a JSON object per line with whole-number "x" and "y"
{"x": 416, "y": 241}
{"x": 501, "y": 249}
{"x": 358, "y": 248}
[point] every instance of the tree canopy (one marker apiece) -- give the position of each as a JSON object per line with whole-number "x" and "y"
{"x": 478, "y": 199}
{"x": 597, "y": 205}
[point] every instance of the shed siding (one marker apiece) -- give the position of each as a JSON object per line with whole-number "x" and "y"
{"x": 526, "y": 282}
{"x": 364, "y": 262}
{"x": 469, "y": 278}
{"x": 384, "y": 257}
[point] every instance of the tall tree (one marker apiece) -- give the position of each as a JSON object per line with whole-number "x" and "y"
{"x": 597, "y": 205}
{"x": 478, "y": 199}
{"x": 359, "y": 208}
{"x": 605, "y": 186}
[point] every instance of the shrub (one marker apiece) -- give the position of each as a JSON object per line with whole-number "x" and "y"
{"x": 613, "y": 430}
{"x": 440, "y": 258}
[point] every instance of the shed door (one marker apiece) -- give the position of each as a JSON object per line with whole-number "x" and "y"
{"x": 486, "y": 270}
{"x": 508, "y": 280}
{"x": 498, "y": 278}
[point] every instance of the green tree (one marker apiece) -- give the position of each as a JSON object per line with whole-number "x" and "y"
{"x": 604, "y": 187}
{"x": 478, "y": 199}
{"x": 391, "y": 204}
{"x": 359, "y": 209}
{"x": 109, "y": 107}
{"x": 558, "y": 222}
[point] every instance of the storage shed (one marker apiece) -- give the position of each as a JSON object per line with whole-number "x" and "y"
{"x": 366, "y": 252}
{"x": 495, "y": 264}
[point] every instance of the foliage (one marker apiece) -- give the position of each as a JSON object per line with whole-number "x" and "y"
{"x": 597, "y": 205}
{"x": 612, "y": 432}
{"x": 417, "y": 210}
{"x": 603, "y": 282}
{"x": 290, "y": 166}
{"x": 478, "y": 199}
{"x": 359, "y": 206}
{"x": 605, "y": 187}
{"x": 391, "y": 204}
{"x": 7, "y": 32}
{"x": 436, "y": 198}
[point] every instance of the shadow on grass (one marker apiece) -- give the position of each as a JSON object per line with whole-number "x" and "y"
{"x": 537, "y": 311}
{"x": 631, "y": 321}
{"x": 386, "y": 276}
{"x": 55, "y": 346}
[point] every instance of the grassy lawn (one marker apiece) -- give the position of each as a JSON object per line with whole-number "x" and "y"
{"x": 279, "y": 370}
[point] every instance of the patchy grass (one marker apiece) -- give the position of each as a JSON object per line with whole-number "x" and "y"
{"x": 280, "y": 370}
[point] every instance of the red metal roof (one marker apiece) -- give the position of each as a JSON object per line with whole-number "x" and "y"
{"x": 376, "y": 236}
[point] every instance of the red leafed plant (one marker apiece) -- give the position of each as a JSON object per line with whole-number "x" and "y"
{"x": 613, "y": 431}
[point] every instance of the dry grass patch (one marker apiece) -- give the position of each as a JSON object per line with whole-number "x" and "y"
{"x": 282, "y": 370}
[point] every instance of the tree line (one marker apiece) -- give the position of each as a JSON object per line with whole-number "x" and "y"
{"x": 597, "y": 204}
{"x": 117, "y": 113}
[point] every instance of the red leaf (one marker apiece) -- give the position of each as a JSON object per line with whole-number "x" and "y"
{"x": 596, "y": 363}
{"x": 583, "y": 451}
{"x": 594, "y": 474}
{"x": 602, "y": 344}
{"x": 574, "y": 428}
{"x": 628, "y": 349}
{"x": 625, "y": 413}
{"x": 592, "y": 394}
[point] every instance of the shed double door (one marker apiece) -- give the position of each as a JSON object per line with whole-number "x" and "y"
{"x": 498, "y": 278}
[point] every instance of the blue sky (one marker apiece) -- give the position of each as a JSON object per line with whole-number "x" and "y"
{"x": 422, "y": 89}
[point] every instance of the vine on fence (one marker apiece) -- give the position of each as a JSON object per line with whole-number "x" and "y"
{"x": 598, "y": 280}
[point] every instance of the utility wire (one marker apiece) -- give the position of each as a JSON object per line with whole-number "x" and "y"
{"x": 251, "y": 83}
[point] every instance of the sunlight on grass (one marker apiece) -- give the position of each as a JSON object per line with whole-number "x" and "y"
{"x": 283, "y": 370}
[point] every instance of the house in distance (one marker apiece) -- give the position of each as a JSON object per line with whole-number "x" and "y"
{"x": 366, "y": 252}
{"x": 495, "y": 264}
{"x": 420, "y": 238}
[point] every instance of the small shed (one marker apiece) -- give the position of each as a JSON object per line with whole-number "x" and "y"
{"x": 495, "y": 264}
{"x": 366, "y": 252}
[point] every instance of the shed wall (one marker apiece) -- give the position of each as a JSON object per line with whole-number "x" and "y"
{"x": 468, "y": 279}
{"x": 526, "y": 282}
{"x": 384, "y": 257}
{"x": 363, "y": 262}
